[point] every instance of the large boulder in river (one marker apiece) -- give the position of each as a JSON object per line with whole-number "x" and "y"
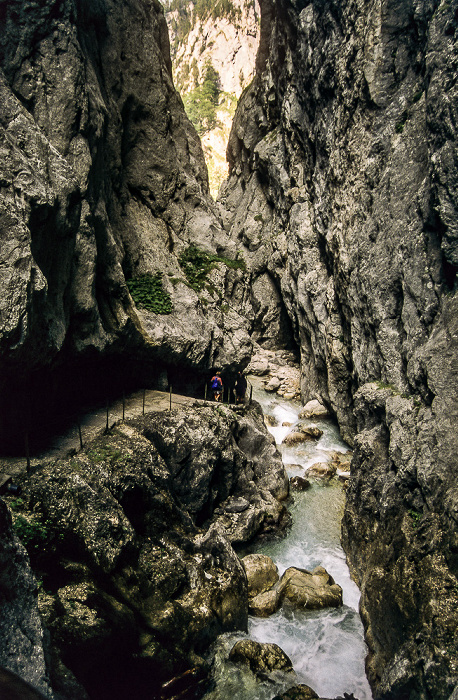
{"x": 261, "y": 573}
{"x": 322, "y": 470}
{"x": 299, "y": 483}
{"x": 309, "y": 589}
{"x": 261, "y": 658}
{"x": 314, "y": 409}
{"x": 264, "y": 604}
{"x": 297, "y": 692}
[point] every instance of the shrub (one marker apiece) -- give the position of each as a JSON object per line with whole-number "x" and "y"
{"x": 196, "y": 265}
{"x": 148, "y": 293}
{"x": 34, "y": 534}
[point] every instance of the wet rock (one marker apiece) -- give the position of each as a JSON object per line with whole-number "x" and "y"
{"x": 297, "y": 692}
{"x": 264, "y": 604}
{"x": 295, "y": 438}
{"x": 270, "y": 420}
{"x": 322, "y": 470}
{"x": 299, "y": 483}
{"x": 262, "y": 573}
{"x": 310, "y": 590}
{"x": 261, "y": 658}
{"x": 314, "y": 409}
{"x": 302, "y": 434}
{"x": 273, "y": 384}
{"x": 311, "y": 431}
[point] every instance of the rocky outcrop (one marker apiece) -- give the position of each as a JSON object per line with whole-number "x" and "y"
{"x": 21, "y": 630}
{"x": 138, "y": 576}
{"x": 103, "y": 180}
{"x": 343, "y": 193}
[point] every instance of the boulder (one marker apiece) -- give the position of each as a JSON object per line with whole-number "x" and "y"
{"x": 297, "y": 692}
{"x": 309, "y": 590}
{"x": 135, "y": 554}
{"x": 314, "y": 409}
{"x": 261, "y": 658}
{"x": 22, "y": 643}
{"x": 258, "y": 367}
{"x": 262, "y": 573}
{"x": 273, "y": 384}
{"x": 322, "y": 470}
{"x": 295, "y": 438}
{"x": 299, "y": 483}
{"x": 311, "y": 431}
{"x": 264, "y": 604}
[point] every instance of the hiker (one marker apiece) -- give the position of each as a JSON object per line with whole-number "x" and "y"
{"x": 240, "y": 388}
{"x": 217, "y": 386}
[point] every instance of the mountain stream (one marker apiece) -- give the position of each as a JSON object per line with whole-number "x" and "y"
{"x": 327, "y": 646}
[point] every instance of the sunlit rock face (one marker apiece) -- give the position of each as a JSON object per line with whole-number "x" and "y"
{"x": 103, "y": 179}
{"x": 343, "y": 192}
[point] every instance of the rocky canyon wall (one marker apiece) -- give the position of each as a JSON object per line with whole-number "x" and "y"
{"x": 343, "y": 193}
{"x": 102, "y": 180}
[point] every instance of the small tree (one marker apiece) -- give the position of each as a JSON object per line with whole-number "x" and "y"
{"x": 202, "y": 102}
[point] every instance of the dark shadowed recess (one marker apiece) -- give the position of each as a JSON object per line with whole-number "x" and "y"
{"x": 38, "y": 405}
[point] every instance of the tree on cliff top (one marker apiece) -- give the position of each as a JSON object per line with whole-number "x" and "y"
{"x": 202, "y": 102}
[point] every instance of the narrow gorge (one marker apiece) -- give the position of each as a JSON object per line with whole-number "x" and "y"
{"x": 333, "y": 239}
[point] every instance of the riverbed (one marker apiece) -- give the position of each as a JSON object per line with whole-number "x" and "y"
{"x": 326, "y": 647}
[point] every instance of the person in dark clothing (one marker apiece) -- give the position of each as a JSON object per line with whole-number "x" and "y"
{"x": 240, "y": 388}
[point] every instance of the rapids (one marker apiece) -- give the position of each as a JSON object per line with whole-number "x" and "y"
{"x": 326, "y": 647}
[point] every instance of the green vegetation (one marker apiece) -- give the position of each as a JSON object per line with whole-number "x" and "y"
{"x": 204, "y": 9}
{"x": 416, "y": 516}
{"x": 33, "y": 534}
{"x": 202, "y": 102}
{"x": 197, "y": 264}
{"x": 105, "y": 454}
{"x": 148, "y": 293}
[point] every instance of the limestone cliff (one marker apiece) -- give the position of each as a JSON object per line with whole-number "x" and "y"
{"x": 103, "y": 180}
{"x": 343, "y": 191}
{"x": 225, "y": 35}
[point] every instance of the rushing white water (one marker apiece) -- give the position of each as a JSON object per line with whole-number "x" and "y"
{"x": 326, "y": 647}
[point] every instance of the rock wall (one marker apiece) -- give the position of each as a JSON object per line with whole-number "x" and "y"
{"x": 21, "y": 629}
{"x": 343, "y": 192}
{"x": 103, "y": 179}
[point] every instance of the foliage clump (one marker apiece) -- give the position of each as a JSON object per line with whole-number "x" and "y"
{"x": 148, "y": 293}
{"x": 197, "y": 264}
{"x": 202, "y": 102}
